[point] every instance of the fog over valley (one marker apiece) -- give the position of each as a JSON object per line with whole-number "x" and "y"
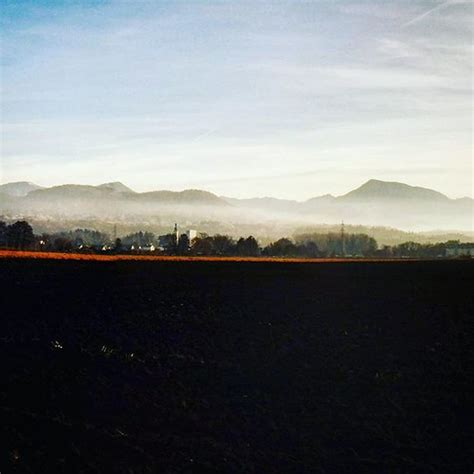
{"x": 373, "y": 204}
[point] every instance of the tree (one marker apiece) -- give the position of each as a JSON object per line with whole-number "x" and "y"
{"x": 281, "y": 248}
{"x": 63, "y": 244}
{"x": 408, "y": 249}
{"x": 361, "y": 244}
{"x": 3, "y": 234}
{"x": 87, "y": 237}
{"x": 330, "y": 244}
{"x": 20, "y": 235}
{"x": 308, "y": 249}
{"x": 183, "y": 244}
{"x": 223, "y": 245}
{"x": 248, "y": 247}
{"x": 385, "y": 252}
{"x": 203, "y": 246}
{"x": 118, "y": 245}
{"x": 168, "y": 242}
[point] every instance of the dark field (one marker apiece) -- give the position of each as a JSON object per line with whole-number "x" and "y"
{"x": 150, "y": 367}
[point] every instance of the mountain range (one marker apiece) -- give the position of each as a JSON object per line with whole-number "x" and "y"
{"x": 30, "y": 192}
{"x": 375, "y": 197}
{"x": 372, "y": 189}
{"x": 374, "y": 203}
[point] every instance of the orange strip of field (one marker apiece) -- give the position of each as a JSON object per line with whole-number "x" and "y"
{"x": 24, "y": 254}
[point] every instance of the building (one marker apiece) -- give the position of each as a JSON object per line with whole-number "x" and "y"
{"x": 143, "y": 248}
{"x": 176, "y": 234}
{"x": 148, "y": 248}
{"x": 170, "y": 242}
{"x": 192, "y": 234}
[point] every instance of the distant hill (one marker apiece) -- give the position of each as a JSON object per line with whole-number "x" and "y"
{"x": 120, "y": 192}
{"x": 386, "y": 190}
{"x": 318, "y": 202}
{"x": 19, "y": 189}
{"x": 107, "y": 191}
{"x": 373, "y": 192}
{"x": 116, "y": 186}
{"x": 375, "y": 203}
{"x": 69, "y": 192}
{"x": 281, "y": 205}
{"x": 188, "y": 196}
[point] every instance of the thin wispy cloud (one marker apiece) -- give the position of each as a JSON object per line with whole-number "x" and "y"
{"x": 437, "y": 8}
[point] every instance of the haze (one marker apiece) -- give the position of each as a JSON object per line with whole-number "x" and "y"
{"x": 285, "y": 99}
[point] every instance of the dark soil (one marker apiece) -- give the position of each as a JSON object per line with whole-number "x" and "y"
{"x": 147, "y": 367}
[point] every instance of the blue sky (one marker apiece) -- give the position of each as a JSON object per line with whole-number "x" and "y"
{"x": 287, "y": 99}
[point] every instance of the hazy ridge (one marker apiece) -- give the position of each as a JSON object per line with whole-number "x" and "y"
{"x": 376, "y": 203}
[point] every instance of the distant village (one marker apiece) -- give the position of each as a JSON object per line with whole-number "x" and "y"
{"x": 20, "y": 236}
{"x": 146, "y": 242}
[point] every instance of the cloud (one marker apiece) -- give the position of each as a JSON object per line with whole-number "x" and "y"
{"x": 439, "y": 7}
{"x": 397, "y": 49}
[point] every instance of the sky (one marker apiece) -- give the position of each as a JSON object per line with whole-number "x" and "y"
{"x": 290, "y": 99}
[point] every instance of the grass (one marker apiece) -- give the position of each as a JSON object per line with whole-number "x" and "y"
{"x": 9, "y": 254}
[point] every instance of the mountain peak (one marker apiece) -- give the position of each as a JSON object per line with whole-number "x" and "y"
{"x": 18, "y": 189}
{"x": 116, "y": 186}
{"x": 377, "y": 189}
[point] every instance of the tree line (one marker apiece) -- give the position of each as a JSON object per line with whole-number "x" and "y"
{"x": 20, "y": 235}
